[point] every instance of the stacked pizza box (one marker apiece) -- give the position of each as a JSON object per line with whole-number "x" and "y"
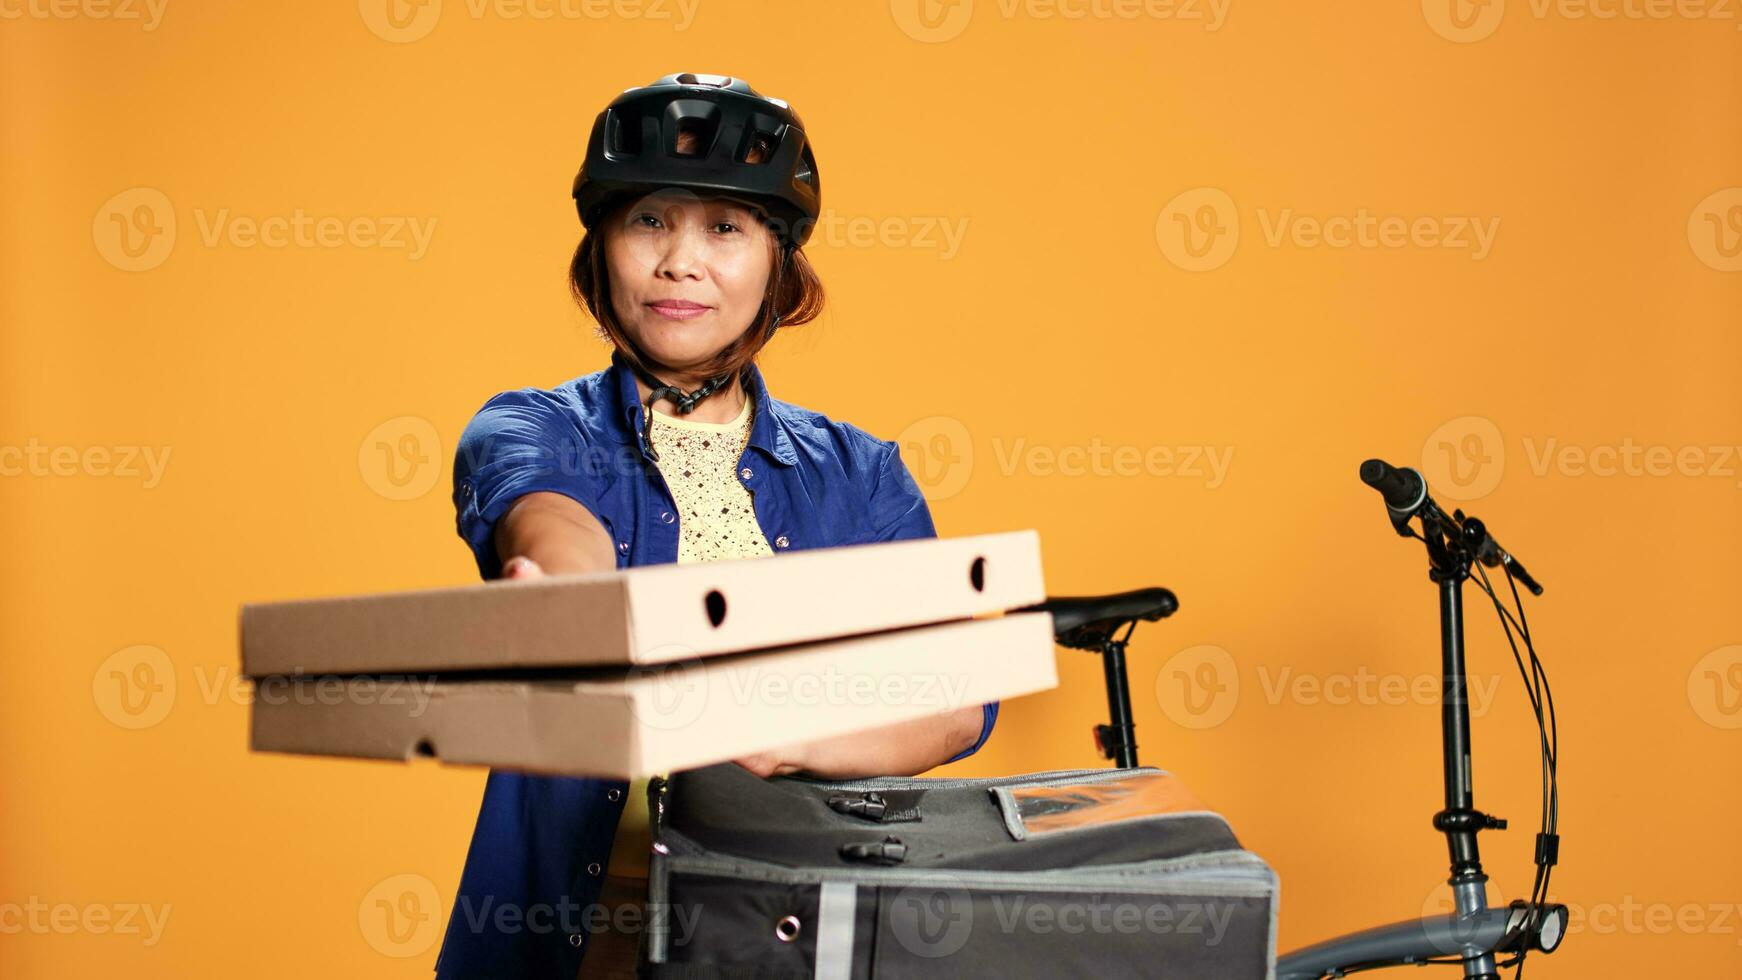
{"x": 654, "y": 669}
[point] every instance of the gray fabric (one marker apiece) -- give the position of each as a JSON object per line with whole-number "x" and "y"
{"x": 1171, "y": 895}
{"x": 835, "y": 930}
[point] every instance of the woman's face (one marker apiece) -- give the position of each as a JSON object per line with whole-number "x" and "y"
{"x": 688, "y": 274}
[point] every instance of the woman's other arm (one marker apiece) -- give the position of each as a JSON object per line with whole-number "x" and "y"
{"x": 904, "y": 749}
{"x": 551, "y": 533}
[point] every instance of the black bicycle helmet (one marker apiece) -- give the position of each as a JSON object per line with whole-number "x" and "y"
{"x": 633, "y": 151}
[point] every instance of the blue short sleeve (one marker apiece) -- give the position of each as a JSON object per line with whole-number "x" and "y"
{"x": 898, "y": 508}
{"x": 520, "y": 442}
{"x": 989, "y": 717}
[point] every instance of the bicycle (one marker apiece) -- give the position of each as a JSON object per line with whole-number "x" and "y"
{"x": 1474, "y": 935}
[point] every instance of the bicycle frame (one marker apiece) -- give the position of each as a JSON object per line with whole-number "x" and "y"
{"x": 1473, "y": 933}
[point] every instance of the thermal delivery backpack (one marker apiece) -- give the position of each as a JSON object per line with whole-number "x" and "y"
{"x": 1086, "y": 873}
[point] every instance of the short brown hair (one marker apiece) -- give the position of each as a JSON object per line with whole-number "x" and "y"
{"x": 795, "y": 292}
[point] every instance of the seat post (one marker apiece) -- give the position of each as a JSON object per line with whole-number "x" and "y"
{"x": 1118, "y": 740}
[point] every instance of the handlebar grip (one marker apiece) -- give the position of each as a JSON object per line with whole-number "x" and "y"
{"x": 1402, "y": 487}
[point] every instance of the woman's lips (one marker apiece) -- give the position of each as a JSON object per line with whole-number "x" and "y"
{"x": 678, "y": 311}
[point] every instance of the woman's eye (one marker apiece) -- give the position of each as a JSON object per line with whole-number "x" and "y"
{"x": 644, "y": 216}
{"x": 729, "y": 226}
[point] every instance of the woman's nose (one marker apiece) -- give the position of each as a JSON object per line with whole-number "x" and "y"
{"x": 682, "y": 255}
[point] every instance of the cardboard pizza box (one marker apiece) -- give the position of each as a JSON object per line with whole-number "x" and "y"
{"x": 633, "y": 722}
{"x": 649, "y": 614}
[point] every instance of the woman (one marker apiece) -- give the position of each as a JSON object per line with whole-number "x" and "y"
{"x": 697, "y": 196}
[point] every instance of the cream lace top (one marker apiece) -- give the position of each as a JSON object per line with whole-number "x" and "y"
{"x": 716, "y": 520}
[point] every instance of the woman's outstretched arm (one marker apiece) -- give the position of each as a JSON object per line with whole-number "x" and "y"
{"x": 555, "y": 533}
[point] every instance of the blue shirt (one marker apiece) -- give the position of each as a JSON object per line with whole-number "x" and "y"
{"x": 541, "y": 844}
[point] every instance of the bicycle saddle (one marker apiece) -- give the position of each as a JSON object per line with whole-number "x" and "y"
{"x": 1086, "y": 622}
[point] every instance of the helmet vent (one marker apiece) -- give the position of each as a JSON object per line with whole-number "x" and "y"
{"x": 691, "y": 134}
{"x": 759, "y": 147}
{"x": 693, "y": 125}
{"x": 623, "y": 137}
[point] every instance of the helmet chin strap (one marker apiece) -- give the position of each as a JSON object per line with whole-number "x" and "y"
{"x": 686, "y": 403}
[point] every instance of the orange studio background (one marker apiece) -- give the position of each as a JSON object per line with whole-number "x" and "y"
{"x": 1152, "y": 278}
